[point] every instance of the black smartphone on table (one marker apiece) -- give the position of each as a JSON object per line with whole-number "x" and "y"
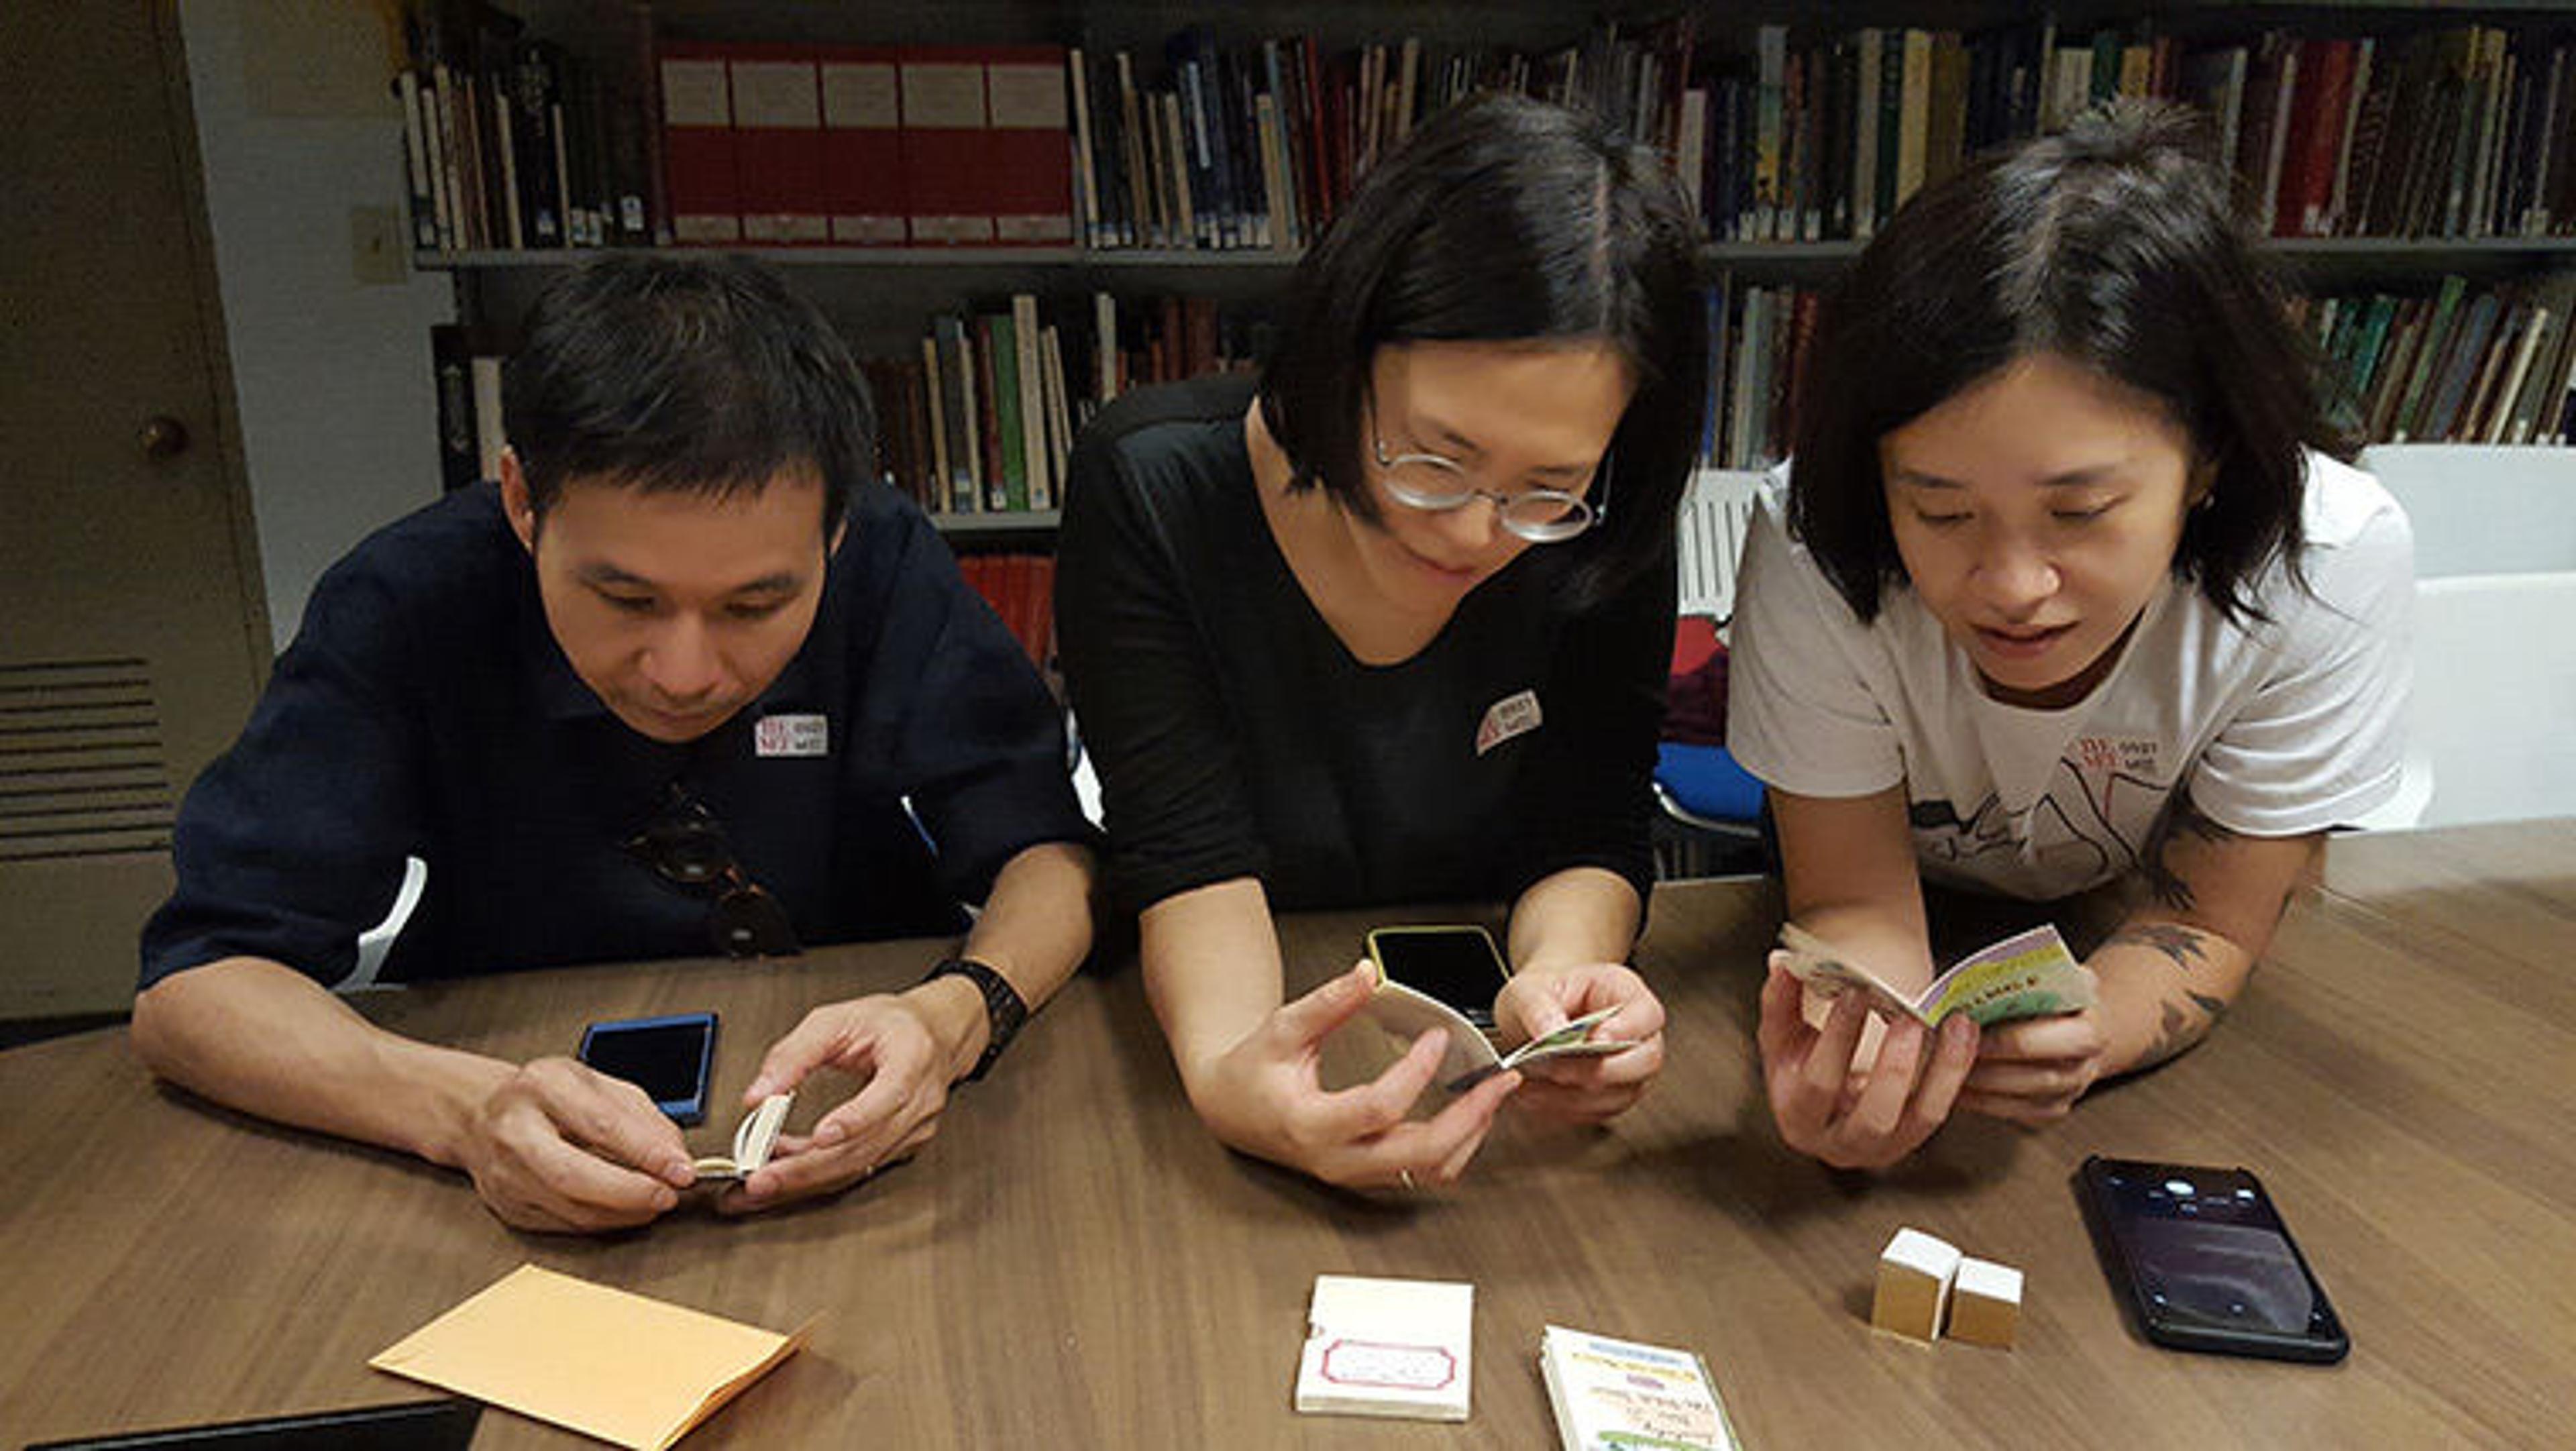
{"x": 439, "y": 1425}
{"x": 1458, "y": 966}
{"x": 2205, "y": 1262}
{"x": 670, "y": 1058}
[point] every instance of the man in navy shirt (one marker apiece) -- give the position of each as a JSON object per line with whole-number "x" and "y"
{"x": 687, "y": 681}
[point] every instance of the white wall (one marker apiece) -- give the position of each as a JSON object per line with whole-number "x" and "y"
{"x": 331, "y": 375}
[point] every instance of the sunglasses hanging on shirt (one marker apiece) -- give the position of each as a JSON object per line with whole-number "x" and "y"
{"x": 685, "y": 846}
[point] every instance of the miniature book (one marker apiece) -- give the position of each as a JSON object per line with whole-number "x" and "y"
{"x": 1402, "y": 1014}
{"x": 752, "y": 1142}
{"x": 1618, "y": 1395}
{"x": 1387, "y": 1348}
{"x": 1915, "y": 1273}
{"x": 2031, "y": 975}
{"x": 1985, "y": 1303}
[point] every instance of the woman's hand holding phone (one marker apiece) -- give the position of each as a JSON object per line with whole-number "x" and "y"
{"x": 1538, "y": 1001}
{"x": 1264, "y": 1096}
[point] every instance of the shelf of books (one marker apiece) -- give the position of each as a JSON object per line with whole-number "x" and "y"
{"x": 1015, "y": 233}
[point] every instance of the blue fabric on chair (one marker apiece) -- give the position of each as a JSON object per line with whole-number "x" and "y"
{"x": 1706, "y": 782}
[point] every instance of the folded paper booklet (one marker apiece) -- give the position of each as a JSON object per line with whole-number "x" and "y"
{"x": 1618, "y": 1395}
{"x": 2027, "y": 976}
{"x": 752, "y": 1141}
{"x": 1402, "y": 1014}
{"x": 630, "y": 1370}
{"x": 1387, "y": 1348}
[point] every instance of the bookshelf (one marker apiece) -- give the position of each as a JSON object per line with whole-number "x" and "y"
{"x": 2405, "y": 105}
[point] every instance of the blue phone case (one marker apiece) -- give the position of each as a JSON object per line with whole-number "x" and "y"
{"x": 657, "y": 1055}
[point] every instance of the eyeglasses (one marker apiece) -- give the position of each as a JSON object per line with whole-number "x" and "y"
{"x": 1434, "y": 484}
{"x": 685, "y": 846}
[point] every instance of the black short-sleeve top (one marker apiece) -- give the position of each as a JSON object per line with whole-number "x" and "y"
{"x": 1236, "y": 736}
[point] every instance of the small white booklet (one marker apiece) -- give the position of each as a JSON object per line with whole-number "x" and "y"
{"x": 1618, "y": 1395}
{"x": 1403, "y": 1014}
{"x": 752, "y": 1141}
{"x": 2031, "y": 975}
{"x": 1387, "y": 1348}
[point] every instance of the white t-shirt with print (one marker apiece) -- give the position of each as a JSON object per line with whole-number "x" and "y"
{"x": 2281, "y": 727}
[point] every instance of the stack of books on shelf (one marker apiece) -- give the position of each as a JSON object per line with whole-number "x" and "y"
{"x": 1255, "y": 146}
{"x": 465, "y": 368}
{"x": 981, "y": 419}
{"x": 866, "y": 145}
{"x": 1021, "y": 589}
{"x": 513, "y": 143}
{"x": 1758, "y": 339}
{"x": 2496, "y": 367}
{"x": 2462, "y": 132}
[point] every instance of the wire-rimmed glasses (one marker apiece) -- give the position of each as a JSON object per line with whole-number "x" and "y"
{"x": 1435, "y": 484}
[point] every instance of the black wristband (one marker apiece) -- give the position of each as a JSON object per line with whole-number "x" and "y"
{"x": 1004, "y": 1009}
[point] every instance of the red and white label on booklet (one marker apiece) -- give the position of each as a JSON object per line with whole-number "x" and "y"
{"x": 1513, "y": 715}
{"x": 792, "y": 735}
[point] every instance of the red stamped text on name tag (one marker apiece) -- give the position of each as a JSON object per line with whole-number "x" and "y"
{"x": 792, "y": 735}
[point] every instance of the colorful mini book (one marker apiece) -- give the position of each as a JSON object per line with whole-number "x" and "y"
{"x": 2028, "y": 976}
{"x": 1618, "y": 1395}
{"x": 1387, "y": 1348}
{"x": 753, "y": 1141}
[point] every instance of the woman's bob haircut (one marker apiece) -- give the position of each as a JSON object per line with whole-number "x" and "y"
{"x": 2113, "y": 245}
{"x": 1512, "y": 221}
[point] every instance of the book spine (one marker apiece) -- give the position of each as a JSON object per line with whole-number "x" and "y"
{"x": 1029, "y": 147}
{"x": 1039, "y": 492}
{"x": 999, "y": 337}
{"x": 424, "y": 211}
{"x": 1086, "y": 172}
{"x": 698, "y": 146}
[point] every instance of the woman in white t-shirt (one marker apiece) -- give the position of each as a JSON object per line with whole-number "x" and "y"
{"x": 2069, "y": 589}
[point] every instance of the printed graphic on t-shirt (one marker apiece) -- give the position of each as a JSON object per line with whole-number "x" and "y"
{"x": 2091, "y": 824}
{"x": 1513, "y": 715}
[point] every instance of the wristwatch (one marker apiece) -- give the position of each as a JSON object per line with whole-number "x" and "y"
{"x": 1004, "y": 1009}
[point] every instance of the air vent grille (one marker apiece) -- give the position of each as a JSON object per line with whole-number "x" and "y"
{"x": 83, "y": 768}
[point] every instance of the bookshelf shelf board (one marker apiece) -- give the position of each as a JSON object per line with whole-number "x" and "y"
{"x": 2412, "y": 251}
{"x": 891, "y": 258}
{"x": 2425, "y": 247}
{"x": 1025, "y": 521}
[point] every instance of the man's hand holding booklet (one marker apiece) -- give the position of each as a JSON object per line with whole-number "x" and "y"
{"x": 2031, "y": 975}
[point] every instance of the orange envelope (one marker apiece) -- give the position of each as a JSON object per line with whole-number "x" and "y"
{"x": 624, "y": 1368}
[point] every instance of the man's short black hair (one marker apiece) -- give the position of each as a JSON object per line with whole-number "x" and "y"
{"x": 1506, "y": 220}
{"x": 2113, "y": 245}
{"x": 701, "y": 375}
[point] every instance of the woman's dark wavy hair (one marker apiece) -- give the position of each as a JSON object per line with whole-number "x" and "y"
{"x": 702, "y": 375}
{"x": 2113, "y": 245}
{"x": 1506, "y": 220}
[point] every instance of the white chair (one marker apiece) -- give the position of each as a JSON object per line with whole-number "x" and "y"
{"x": 377, "y": 941}
{"x": 2495, "y": 696}
{"x": 1717, "y": 512}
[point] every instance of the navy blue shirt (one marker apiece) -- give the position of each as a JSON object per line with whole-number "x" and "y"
{"x": 426, "y": 710}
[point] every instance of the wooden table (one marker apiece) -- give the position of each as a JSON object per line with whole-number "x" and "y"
{"x": 1075, "y": 1263}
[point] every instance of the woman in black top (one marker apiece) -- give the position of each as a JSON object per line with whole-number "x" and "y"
{"x": 1393, "y": 626}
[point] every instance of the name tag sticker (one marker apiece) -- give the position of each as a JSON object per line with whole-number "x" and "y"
{"x": 792, "y": 735}
{"x": 1513, "y": 715}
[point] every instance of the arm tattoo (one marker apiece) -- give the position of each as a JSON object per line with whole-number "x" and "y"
{"x": 2181, "y": 819}
{"x": 2181, "y": 1028}
{"x": 2182, "y": 944}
